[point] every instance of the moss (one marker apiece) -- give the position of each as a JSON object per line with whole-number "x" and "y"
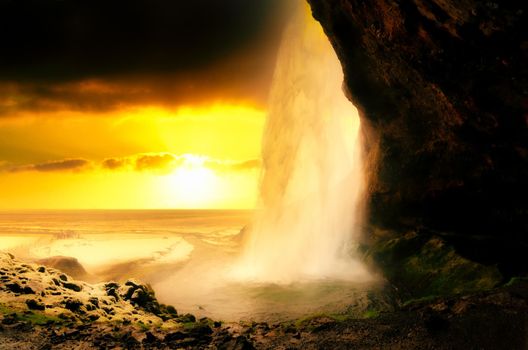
{"x": 426, "y": 299}
{"x": 38, "y": 318}
{"x": 33, "y": 317}
{"x": 4, "y": 310}
{"x": 189, "y": 325}
{"x": 422, "y": 266}
{"x": 142, "y": 326}
{"x": 516, "y": 280}
{"x": 371, "y": 313}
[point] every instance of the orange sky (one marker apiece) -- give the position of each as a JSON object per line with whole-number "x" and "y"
{"x": 138, "y": 157}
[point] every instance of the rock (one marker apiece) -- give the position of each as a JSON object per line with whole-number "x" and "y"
{"x": 239, "y": 343}
{"x": 16, "y": 288}
{"x": 200, "y": 330}
{"x": 94, "y": 301}
{"x": 130, "y": 342}
{"x": 93, "y": 317}
{"x": 69, "y": 265}
{"x": 112, "y": 292}
{"x": 174, "y": 336}
{"x": 150, "y": 338}
{"x": 171, "y": 310}
{"x": 73, "y": 286}
{"x": 33, "y": 304}
{"x": 73, "y": 305}
{"x": 442, "y": 88}
{"x": 186, "y": 318}
{"x": 111, "y": 285}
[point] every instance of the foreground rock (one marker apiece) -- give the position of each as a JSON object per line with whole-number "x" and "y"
{"x": 42, "y": 308}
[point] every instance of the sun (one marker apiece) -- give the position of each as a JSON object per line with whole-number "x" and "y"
{"x": 192, "y": 184}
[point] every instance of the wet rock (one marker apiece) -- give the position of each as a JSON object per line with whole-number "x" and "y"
{"x": 150, "y": 338}
{"x": 10, "y": 319}
{"x": 33, "y": 304}
{"x": 435, "y": 323}
{"x": 238, "y": 343}
{"x": 171, "y": 310}
{"x": 93, "y": 317}
{"x": 112, "y": 292}
{"x": 442, "y": 89}
{"x": 109, "y": 310}
{"x": 73, "y": 286}
{"x": 174, "y": 336}
{"x": 111, "y": 285}
{"x": 94, "y": 301}
{"x": 130, "y": 342}
{"x": 73, "y": 305}
{"x": 186, "y": 318}
{"x": 200, "y": 330}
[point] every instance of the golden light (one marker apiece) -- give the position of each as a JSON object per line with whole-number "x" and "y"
{"x": 220, "y": 132}
{"x": 192, "y": 183}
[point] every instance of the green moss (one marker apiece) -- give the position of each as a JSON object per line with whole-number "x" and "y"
{"x": 189, "y": 325}
{"x": 39, "y": 318}
{"x": 516, "y": 280}
{"x": 33, "y": 317}
{"x": 4, "y": 310}
{"x": 425, "y": 299}
{"x": 371, "y": 314}
{"x": 142, "y": 326}
{"x": 423, "y": 266}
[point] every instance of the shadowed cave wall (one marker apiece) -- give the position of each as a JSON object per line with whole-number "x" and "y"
{"x": 442, "y": 87}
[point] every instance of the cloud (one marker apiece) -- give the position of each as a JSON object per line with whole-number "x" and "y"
{"x": 219, "y": 165}
{"x": 98, "y": 55}
{"x": 159, "y": 163}
{"x": 115, "y": 163}
{"x": 164, "y": 162}
{"x": 75, "y": 165}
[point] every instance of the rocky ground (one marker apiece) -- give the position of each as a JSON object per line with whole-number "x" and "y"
{"x": 43, "y": 308}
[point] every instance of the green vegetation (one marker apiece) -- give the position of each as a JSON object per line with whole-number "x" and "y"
{"x": 371, "y": 313}
{"x": 424, "y": 266}
{"x": 143, "y": 327}
{"x": 516, "y": 280}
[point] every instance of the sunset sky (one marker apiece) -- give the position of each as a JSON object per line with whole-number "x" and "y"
{"x": 134, "y": 104}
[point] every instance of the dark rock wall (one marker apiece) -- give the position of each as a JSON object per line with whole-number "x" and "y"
{"x": 442, "y": 86}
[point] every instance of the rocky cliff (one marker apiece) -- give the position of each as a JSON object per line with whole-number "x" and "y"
{"x": 442, "y": 87}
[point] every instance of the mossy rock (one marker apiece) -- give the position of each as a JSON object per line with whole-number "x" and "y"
{"x": 424, "y": 265}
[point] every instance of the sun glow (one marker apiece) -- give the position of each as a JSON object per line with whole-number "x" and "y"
{"x": 144, "y": 158}
{"x": 193, "y": 183}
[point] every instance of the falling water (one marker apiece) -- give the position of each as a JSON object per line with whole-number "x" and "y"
{"x": 312, "y": 180}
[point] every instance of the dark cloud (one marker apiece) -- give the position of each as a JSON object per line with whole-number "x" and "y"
{"x": 162, "y": 51}
{"x": 51, "y": 166}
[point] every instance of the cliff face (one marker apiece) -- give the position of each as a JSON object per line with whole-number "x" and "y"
{"x": 442, "y": 86}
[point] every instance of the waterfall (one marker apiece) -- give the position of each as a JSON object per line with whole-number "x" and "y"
{"x": 306, "y": 226}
